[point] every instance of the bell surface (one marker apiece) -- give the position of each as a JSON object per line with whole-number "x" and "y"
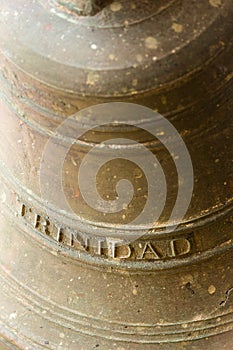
{"x": 116, "y": 173}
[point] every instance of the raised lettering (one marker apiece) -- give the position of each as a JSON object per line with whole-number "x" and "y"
{"x": 148, "y": 249}
{"x": 123, "y": 252}
{"x": 59, "y": 234}
{"x": 41, "y": 223}
{"x": 22, "y": 211}
{"x": 99, "y": 246}
{"x": 113, "y": 249}
{"x": 180, "y": 247}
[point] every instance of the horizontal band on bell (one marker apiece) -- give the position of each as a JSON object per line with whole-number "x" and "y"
{"x": 49, "y": 312}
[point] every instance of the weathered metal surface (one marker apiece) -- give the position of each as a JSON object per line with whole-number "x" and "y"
{"x": 80, "y": 7}
{"x": 64, "y": 286}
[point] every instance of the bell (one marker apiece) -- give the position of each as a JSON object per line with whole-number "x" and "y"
{"x": 116, "y": 174}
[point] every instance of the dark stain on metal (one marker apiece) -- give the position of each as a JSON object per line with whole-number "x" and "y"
{"x": 228, "y": 295}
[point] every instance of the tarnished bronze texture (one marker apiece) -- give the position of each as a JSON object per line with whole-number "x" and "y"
{"x": 71, "y": 280}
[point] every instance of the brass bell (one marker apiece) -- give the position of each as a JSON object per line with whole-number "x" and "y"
{"x": 116, "y": 175}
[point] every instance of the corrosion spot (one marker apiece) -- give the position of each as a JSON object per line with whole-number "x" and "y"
{"x": 215, "y": 3}
{"x": 178, "y": 28}
{"x": 211, "y": 290}
{"x": 134, "y": 82}
{"x": 116, "y": 6}
{"x": 139, "y": 58}
{"x": 151, "y": 43}
{"x": 92, "y": 78}
{"x": 112, "y": 57}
